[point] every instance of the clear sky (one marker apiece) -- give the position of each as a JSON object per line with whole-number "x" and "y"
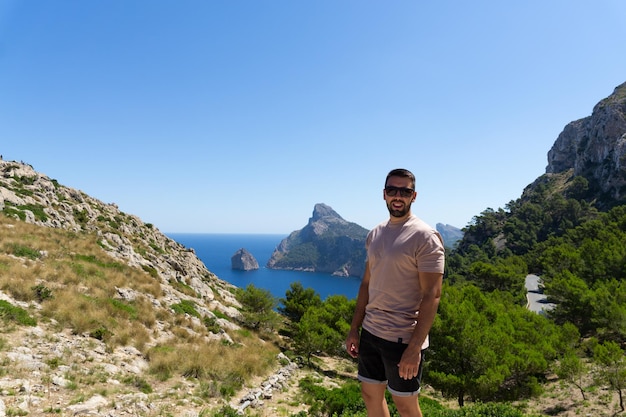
{"x": 217, "y": 116}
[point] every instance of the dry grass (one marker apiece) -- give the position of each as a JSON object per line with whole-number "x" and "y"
{"x": 74, "y": 282}
{"x": 224, "y": 368}
{"x": 81, "y": 280}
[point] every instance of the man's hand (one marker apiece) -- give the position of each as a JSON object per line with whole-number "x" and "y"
{"x": 352, "y": 344}
{"x": 410, "y": 363}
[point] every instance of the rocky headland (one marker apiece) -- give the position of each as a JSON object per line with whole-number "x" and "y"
{"x": 328, "y": 243}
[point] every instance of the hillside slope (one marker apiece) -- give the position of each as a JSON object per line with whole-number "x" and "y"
{"x": 102, "y": 314}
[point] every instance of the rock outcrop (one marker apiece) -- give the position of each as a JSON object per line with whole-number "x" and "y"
{"x": 254, "y": 398}
{"x": 328, "y": 243}
{"x": 595, "y": 148}
{"x": 243, "y": 260}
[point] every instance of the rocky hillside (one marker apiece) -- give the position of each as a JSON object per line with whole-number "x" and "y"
{"x": 102, "y": 314}
{"x": 36, "y": 199}
{"x": 586, "y": 173}
{"x": 328, "y": 243}
{"x": 595, "y": 148}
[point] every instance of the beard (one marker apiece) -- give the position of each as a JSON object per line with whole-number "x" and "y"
{"x": 398, "y": 212}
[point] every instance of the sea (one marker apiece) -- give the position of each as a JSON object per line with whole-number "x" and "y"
{"x": 215, "y": 251}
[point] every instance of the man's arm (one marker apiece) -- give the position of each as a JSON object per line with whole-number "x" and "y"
{"x": 431, "y": 283}
{"x": 352, "y": 341}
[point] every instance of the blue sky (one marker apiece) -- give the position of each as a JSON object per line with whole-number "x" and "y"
{"x": 239, "y": 116}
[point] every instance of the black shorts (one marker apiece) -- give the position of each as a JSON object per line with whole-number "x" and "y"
{"x": 378, "y": 364}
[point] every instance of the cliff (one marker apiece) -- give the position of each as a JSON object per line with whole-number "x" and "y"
{"x": 586, "y": 174}
{"x": 595, "y": 148}
{"x": 328, "y": 244}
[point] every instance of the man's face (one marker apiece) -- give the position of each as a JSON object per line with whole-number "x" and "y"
{"x": 399, "y": 195}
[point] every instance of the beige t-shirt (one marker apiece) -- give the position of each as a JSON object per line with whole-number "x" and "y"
{"x": 395, "y": 254}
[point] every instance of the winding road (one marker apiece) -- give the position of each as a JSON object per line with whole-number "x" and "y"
{"x": 537, "y": 301}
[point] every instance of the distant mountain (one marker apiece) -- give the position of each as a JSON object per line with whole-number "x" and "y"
{"x": 328, "y": 243}
{"x": 450, "y": 234}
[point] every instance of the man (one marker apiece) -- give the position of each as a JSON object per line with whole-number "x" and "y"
{"x": 397, "y": 302}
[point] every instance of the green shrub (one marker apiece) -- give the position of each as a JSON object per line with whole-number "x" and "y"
{"x": 101, "y": 333}
{"x": 150, "y": 270}
{"x": 12, "y": 212}
{"x": 81, "y": 216}
{"x": 37, "y": 211}
{"x": 257, "y": 308}
{"x": 344, "y": 401}
{"x": 116, "y": 266}
{"x": 121, "y": 306}
{"x": 478, "y": 410}
{"x": 156, "y": 248}
{"x": 25, "y": 252}
{"x": 186, "y": 307}
{"x": 10, "y": 312}
{"x": 231, "y": 383}
{"x": 42, "y": 292}
{"x": 138, "y": 383}
{"x": 220, "y": 315}
{"x": 226, "y": 411}
{"x": 211, "y": 324}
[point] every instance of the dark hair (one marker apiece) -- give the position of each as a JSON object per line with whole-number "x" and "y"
{"x": 401, "y": 172}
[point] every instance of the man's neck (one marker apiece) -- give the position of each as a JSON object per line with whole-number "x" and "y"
{"x": 397, "y": 220}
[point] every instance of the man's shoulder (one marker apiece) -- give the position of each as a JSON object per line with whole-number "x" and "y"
{"x": 424, "y": 231}
{"x": 420, "y": 225}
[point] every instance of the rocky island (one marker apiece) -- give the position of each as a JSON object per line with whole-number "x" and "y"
{"x": 243, "y": 260}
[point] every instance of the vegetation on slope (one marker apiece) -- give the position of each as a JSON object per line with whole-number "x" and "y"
{"x": 554, "y": 231}
{"x": 63, "y": 280}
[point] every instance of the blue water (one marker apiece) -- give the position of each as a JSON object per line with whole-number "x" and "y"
{"x": 215, "y": 250}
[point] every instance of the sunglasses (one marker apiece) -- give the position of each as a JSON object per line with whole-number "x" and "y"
{"x": 392, "y": 191}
